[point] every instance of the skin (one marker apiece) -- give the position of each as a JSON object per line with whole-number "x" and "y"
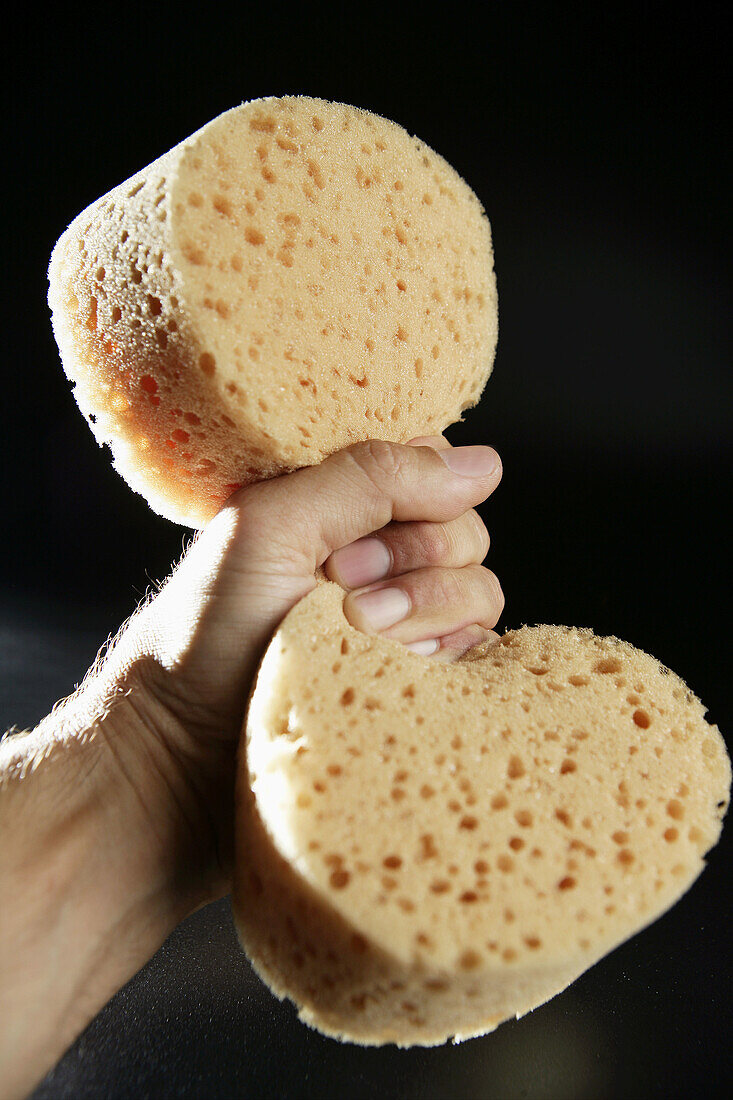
{"x": 116, "y": 812}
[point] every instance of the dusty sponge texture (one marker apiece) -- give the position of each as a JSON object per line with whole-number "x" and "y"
{"x": 424, "y": 850}
{"x": 296, "y": 276}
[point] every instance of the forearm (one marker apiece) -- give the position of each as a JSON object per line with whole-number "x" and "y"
{"x": 81, "y": 909}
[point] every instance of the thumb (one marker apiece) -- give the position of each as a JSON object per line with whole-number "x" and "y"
{"x": 308, "y": 514}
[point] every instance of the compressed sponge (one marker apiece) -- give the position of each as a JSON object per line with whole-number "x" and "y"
{"x": 424, "y": 850}
{"x": 296, "y": 276}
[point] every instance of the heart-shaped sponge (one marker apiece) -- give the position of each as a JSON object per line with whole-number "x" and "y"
{"x": 296, "y": 276}
{"x": 424, "y": 850}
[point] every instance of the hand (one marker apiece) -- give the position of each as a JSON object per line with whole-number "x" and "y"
{"x": 117, "y": 811}
{"x": 392, "y": 524}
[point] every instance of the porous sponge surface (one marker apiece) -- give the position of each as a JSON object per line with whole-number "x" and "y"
{"x": 425, "y": 850}
{"x": 296, "y": 276}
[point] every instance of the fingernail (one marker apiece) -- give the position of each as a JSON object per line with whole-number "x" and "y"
{"x": 362, "y": 562}
{"x": 382, "y": 608}
{"x": 425, "y": 648}
{"x": 471, "y": 461}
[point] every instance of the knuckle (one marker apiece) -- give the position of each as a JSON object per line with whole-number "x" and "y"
{"x": 378, "y": 460}
{"x": 486, "y": 585}
{"x": 496, "y": 594}
{"x": 434, "y": 543}
{"x": 482, "y": 534}
{"x": 447, "y": 589}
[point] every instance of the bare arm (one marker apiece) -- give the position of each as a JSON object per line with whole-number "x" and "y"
{"x": 88, "y": 866}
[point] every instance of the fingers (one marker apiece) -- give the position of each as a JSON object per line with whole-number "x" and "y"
{"x": 367, "y": 486}
{"x": 402, "y": 547}
{"x": 439, "y": 606}
{"x": 427, "y": 605}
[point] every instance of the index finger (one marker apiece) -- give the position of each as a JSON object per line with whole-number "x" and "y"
{"x": 368, "y": 485}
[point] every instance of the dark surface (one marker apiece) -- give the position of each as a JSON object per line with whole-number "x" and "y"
{"x": 597, "y": 147}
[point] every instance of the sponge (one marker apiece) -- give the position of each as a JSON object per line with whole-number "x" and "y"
{"x": 296, "y": 276}
{"x": 424, "y": 850}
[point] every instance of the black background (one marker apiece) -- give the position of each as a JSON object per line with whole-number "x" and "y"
{"x": 597, "y": 143}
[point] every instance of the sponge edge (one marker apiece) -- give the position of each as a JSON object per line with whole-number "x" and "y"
{"x": 296, "y": 276}
{"x": 405, "y": 883}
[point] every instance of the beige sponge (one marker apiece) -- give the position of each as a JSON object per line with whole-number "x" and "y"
{"x": 296, "y": 276}
{"x": 424, "y": 850}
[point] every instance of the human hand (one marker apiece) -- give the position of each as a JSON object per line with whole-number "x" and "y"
{"x": 392, "y": 524}
{"x": 120, "y": 804}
